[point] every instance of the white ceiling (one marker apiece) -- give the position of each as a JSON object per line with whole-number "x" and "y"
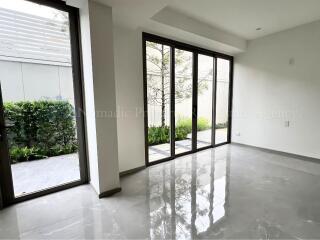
{"x": 242, "y": 17}
{"x": 219, "y": 25}
{"x": 239, "y": 17}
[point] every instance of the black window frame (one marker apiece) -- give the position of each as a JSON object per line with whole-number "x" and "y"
{"x": 7, "y": 196}
{"x": 173, "y": 44}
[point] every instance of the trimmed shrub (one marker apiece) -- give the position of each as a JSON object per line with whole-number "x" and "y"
{"x": 22, "y": 154}
{"x": 222, "y": 125}
{"x": 158, "y": 135}
{"x": 185, "y": 124}
{"x": 181, "y": 133}
{"x": 203, "y": 124}
{"x": 40, "y": 129}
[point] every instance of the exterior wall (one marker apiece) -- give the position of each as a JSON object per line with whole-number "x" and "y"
{"x": 154, "y": 111}
{"x": 129, "y": 88}
{"x": 28, "y": 37}
{"x": 278, "y": 80}
{"x": 35, "y": 66}
{"x": 21, "y": 81}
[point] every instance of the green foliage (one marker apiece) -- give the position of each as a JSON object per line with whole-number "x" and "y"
{"x": 40, "y": 129}
{"x": 157, "y": 135}
{"x": 181, "y": 133}
{"x": 185, "y": 123}
{"x": 222, "y": 125}
{"x": 21, "y": 154}
{"x": 203, "y": 124}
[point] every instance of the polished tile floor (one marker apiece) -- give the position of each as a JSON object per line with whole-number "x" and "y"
{"x": 231, "y": 192}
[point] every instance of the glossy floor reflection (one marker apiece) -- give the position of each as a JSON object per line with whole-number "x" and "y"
{"x": 230, "y": 192}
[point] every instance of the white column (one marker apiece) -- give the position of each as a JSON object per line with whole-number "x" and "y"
{"x": 100, "y": 97}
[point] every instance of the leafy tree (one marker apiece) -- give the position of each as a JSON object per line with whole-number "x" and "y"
{"x": 158, "y": 65}
{"x": 62, "y": 17}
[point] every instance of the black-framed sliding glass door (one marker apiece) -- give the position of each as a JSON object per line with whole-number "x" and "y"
{"x": 205, "y": 100}
{"x": 158, "y": 91}
{"x": 223, "y": 101}
{"x": 187, "y": 98}
{"x": 41, "y": 106}
{"x": 183, "y": 101}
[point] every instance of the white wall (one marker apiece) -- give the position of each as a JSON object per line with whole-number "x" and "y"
{"x": 129, "y": 86}
{"x": 278, "y": 80}
{"x": 101, "y": 31}
{"x": 90, "y": 116}
{"x": 99, "y": 86}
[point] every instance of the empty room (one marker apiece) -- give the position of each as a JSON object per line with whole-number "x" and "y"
{"x": 159, "y": 119}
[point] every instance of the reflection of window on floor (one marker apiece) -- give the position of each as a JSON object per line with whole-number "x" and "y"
{"x": 219, "y": 199}
{"x": 211, "y": 195}
{"x": 160, "y": 202}
{"x": 187, "y": 198}
{"x": 183, "y": 199}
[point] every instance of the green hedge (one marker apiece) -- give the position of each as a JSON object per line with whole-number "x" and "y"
{"x": 202, "y": 124}
{"x": 40, "y": 129}
{"x": 222, "y": 125}
{"x": 159, "y": 135}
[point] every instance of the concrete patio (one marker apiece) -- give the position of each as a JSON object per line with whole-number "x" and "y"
{"x": 33, "y": 176}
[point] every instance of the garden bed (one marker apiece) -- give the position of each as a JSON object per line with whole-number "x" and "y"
{"x": 40, "y": 129}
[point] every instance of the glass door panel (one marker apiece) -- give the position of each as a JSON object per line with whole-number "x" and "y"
{"x": 183, "y": 100}
{"x": 38, "y": 94}
{"x": 158, "y": 98}
{"x": 186, "y": 98}
{"x": 205, "y": 96}
{"x": 222, "y": 101}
